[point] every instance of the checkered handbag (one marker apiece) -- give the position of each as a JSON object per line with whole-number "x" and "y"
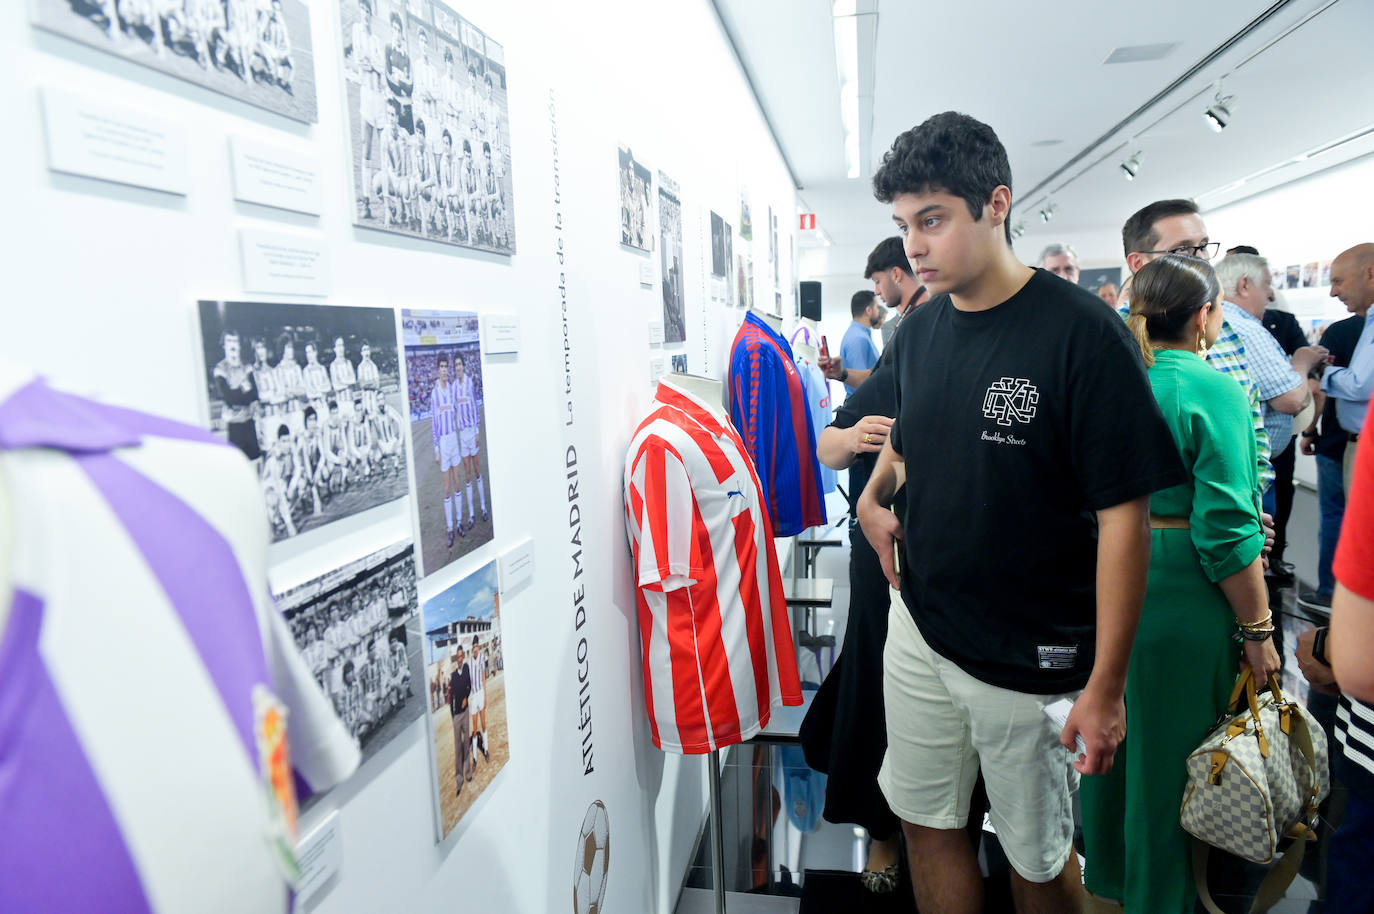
{"x": 1256, "y": 779}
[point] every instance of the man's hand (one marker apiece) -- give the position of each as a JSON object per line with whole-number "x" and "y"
{"x": 831, "y": 365}
{"x": 1309, "y": 445}
{"x": 868, "y": 434}
{"x": 1101, "y": 721}
{"x": 883, "y": 530}
{"x": 1306, "y": 358}
{"x": 436, "y": 456}
{"x": 1268, "y": 521}
{"x": 1318, "y": 675}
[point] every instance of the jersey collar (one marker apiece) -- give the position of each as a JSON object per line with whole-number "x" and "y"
{"x": 32, "y": 414}
{"x": 670, "y": 394}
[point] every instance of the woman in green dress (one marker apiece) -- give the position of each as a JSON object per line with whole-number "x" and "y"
{"x": 1206, "y": 581}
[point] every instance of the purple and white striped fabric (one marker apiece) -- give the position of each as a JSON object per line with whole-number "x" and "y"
{"x": 467, "y": 403}
{"x": 135, "y": 627}
{"x": 441, "y": 407}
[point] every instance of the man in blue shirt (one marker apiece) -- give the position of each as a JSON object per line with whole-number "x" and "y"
{"x": 1282, "y": 380}
{"x": 1352, "y": 281}
{"x": 858, "y": 354}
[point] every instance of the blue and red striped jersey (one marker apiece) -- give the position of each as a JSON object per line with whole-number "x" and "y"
{"x": 768, "y": 407}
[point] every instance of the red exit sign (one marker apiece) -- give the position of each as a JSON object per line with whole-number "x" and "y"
{"x": 808, "y": 222}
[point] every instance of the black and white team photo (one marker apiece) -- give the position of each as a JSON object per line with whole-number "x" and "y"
{"x": 358, "y": 629}
{"x": 429, "y": 124}
{"x": 448, "y": 434}
{"x": 636, "y": 202}
{"x": 312, "y": 395}
{"x": 257, "y": 51}
{"x": 670, "y": 259}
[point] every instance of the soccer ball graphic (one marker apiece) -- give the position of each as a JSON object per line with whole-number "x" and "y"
{"x": 592, "y": 860}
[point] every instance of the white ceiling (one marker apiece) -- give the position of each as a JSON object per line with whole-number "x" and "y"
{"x": 1035, "y": 72}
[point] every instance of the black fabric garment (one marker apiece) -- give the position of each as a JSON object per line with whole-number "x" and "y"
{"x": 876, "y": 396}
{"x": 460, "y": 687}
{"x": 1016, "y": 424}
{"x": 1283, "y": 463}
{"x": 1284, "y": 327}
{"x": 1340, "y": 338}
{"x": 845, "y": 730}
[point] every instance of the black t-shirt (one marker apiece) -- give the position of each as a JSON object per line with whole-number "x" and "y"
{"x": 1340, "y": 338}
{"x": 1016, "y": 424}
{"x": 876, "y": 396}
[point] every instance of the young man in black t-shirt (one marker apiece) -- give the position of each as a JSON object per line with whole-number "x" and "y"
{"x": 1030, "y": 442}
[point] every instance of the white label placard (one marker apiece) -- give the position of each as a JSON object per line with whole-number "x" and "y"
{"x": 517, "y": 565}
{"x": 657, "y": 368}
{"x": 319, "y": 854}
{"x": 93, "y": 138}
{"x": 655, "y": 332}
{"x": 273, "y": 175}
{"x": 283, "y": 263}
{"x": 646, "y": 274}
{"x": 500, "y": 333}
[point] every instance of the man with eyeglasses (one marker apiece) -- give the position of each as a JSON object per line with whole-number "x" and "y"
{"x": 1174, "y": 227}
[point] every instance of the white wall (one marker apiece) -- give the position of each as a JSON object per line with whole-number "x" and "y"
{"x": 102, "y": 285}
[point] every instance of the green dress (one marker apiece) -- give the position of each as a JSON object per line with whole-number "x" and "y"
{"x": 1184, "y": 661}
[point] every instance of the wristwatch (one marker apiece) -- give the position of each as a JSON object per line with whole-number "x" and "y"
{"x": 844, "y": 376}
{"x": 1319, "y": 646}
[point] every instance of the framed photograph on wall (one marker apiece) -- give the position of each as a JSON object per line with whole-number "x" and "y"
{"x": 312, "y": 395}
{"x": 719, "y": 265}
{"x": 465, "y": 680}
{"x": 636, "y": 201}
{"x": 446, "y": 405}
{"x": 670, "y": 259}
{"x": 358, "y": 630}
{"x": 746, "y": 218}
{"x": 428, "y": 124}
{"x": 257, "y": 52}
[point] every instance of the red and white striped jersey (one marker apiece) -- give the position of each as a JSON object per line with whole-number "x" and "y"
{"x": 714, "y": 633}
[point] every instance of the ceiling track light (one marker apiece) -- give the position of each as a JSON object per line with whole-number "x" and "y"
{"x": 1131, "y": 166}
{"x": 1218, "y": 113}
{"x": 1047, "y": 211}
{"x": 1018, "y": 230}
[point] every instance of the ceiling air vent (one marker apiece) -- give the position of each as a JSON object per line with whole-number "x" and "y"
{"x": 1136, "y": 53}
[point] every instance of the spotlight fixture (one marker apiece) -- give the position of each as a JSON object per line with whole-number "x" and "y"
{"x": 1047, "y": 211}
{"x": 1018, "y": 230}
{"x": 1218, "y": 113}
{"x": 1132, "y": 165}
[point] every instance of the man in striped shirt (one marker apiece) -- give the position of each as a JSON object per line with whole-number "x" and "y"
{"x": 469, "y": 442}
{"x": 444, "y": 429}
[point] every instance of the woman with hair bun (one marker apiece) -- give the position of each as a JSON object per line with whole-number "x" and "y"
{"x": 1206, "y": 582}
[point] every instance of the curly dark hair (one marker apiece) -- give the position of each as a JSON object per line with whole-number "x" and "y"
{"x": 949, "y": 152}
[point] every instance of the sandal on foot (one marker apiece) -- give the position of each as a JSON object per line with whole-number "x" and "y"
{"x": 880, "y": 882}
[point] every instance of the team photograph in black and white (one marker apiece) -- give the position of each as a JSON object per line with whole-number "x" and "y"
{"x": 429, "y": 124}
{"x": 636, "y": 202}
{"x": 257, "y": 51}
{"x": 670, "y": 259}
{"x": 358, "y": 629}
{"x": 312, "y": 395}
{"x": 446, "y": 399}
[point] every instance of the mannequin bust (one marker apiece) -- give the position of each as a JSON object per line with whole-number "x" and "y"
{"x": 708, "y": 390}
{"x": 772, "y": 320}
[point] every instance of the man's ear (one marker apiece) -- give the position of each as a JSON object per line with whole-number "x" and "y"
{"x": 1134, "y": 261}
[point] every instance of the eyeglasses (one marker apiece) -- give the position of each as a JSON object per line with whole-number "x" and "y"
{"x": 1201, "y": 251}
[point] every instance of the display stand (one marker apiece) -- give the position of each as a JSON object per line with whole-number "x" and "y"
{"x": 717, "y": 835}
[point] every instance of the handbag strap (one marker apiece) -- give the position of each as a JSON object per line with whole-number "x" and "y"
{"x": 1269, "y": 892}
